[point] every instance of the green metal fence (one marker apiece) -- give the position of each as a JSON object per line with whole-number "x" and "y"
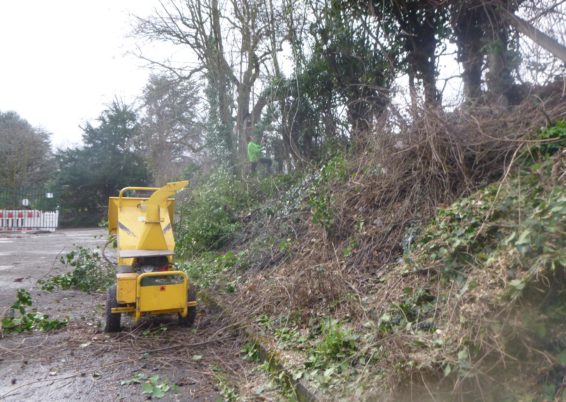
{"x": 35, "y": 199}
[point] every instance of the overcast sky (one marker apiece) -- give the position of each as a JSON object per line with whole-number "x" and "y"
{"x": 63, "y": 61}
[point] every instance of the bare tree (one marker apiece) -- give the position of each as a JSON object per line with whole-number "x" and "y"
{"x": 538, "y": 65}
{"x": 171, "y": 127}
{"x": 206, "y": 28}
{"x": 537, "y": 36}
{"x": 484, "y": 31}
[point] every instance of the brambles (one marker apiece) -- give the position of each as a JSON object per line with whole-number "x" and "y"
{"x": 430, "y": 311}
{"x": 499, "y": 252}
{"x": 444, "y": 263}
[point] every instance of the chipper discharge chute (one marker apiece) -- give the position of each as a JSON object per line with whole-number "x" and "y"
{"x": 145, "y": 280}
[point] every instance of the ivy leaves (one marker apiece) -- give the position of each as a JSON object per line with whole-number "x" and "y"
{"x": 28, "y": 320}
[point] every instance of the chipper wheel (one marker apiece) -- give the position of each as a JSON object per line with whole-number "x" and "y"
{"x": 192, "y": 311}
{"x": 112, "y": 319}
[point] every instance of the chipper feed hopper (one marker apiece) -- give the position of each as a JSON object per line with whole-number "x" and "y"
{"x": 145, "y": 280}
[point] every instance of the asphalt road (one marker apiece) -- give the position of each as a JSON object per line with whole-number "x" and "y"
{"x": 27, "y": 257}
{"x": 80, "y": 362}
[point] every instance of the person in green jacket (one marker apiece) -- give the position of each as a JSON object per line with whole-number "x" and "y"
{"x": 254, "y": 156}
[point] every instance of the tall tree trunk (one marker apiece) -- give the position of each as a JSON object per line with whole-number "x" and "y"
{"x": 221, "y": 75}
{"x": 285, "y": 151}
{"x": 498, "y": 77}
{"x": 413, "y": 94}
{"x": 432, "y": 96}
{"x": 252, "y": 33}
{"x": 540, "y": 38}
{"x": 243, "y": 121}
{"x": 420, "y": 44}
{"x": 467, "y": 23}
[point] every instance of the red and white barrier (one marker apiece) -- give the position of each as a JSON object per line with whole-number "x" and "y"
{"x": 28, "y": 220}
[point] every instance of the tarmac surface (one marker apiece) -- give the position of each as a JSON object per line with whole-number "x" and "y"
{"x": 80, "y": 361}
{"x": 27, "y": 257}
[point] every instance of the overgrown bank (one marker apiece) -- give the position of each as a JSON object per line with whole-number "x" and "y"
{"x": 434, "y": 268}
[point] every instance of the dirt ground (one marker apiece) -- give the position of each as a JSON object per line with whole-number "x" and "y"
{"x": 80, "y": 362}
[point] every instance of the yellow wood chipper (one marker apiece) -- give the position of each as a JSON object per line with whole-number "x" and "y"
{"x": 146, "y": 282}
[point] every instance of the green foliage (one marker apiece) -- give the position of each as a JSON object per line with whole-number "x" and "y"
{"x": 554, "y": 139}
{"x": 522, "y": 215}
{"x": 321, "y": 198}
{"x": 155, "y": 332}
{"x": 138, "y": 378}
{"x": 90, "y": 272}
{"x": 413, "y": 30}
{"x": 280, "y": 380}
{"x": 225, "y": 388}
{"x": 502, "y": 244}
{"x": 250, "y": 352}
{"x": 221, "y": 201}
{"x": 333, "y": 357}
{"x": 453, "y": 237}
{"x": 416, "y": 309}
{"x": 350, "y": 248}
{"x": 322, "y": 211}
{"x": 289, "y": 337}
{"x": 265, "y": 320}
{"x": 344, "y": 67}
{"x": 153, "y": 386}
{"x": 40, "y": 197}
{"x": 220, "y": 126}
{"x": 27, "y": 321}
{"x": 275, "y": 185}
{"x": 335, "y": 169}
{"x": 26, "y": 160}
{"x": 326, "y": 352}
{"x": 208, "y": 268}
{"x": 210, "y": 216}
{"x": 338, "y": 343}
{"x": 107, "y": 163}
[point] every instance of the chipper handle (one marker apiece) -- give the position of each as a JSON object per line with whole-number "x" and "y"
{"x": 122, "y": 191}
